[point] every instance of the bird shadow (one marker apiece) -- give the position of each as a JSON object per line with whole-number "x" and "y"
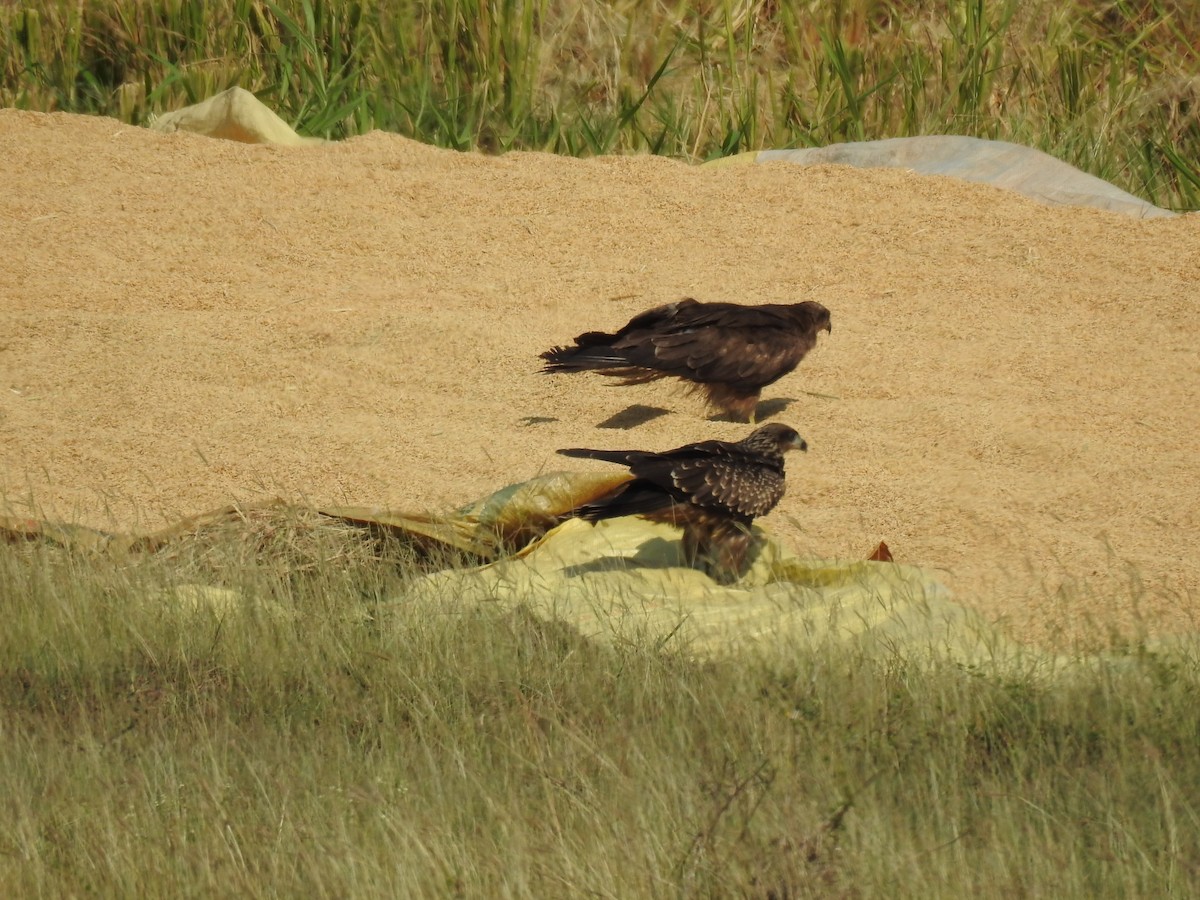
{"x": 656, "y": 553}
{"x": 765, "y": 410}
{"x": 773, "y": 407}
{"x": 633, "y": 416}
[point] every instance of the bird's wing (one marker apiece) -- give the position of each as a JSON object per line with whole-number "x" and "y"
{"x": 635, "y": 331}
{"x": 633, "y": 498}
{"x": 711, "y": 475}
{"x": 665, "y": 317}
{"x": 723, "y": 343}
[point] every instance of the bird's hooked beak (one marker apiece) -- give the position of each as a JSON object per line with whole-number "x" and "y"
{"x": 829, "y": 327}
{"x": 799, "y": 444}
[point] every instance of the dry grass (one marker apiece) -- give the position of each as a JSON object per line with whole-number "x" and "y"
{"x": 317, "y": 734}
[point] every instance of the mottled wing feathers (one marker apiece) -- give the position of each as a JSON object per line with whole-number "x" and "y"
{"x": 709, "y": 474}
{"x": 712, "y": 489}
{"x": 654, "y": 485}
{"x": 744, "y": 490}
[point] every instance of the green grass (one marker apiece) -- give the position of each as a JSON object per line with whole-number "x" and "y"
{"x": 1107, "y": 85}
{"x": 314, "y": 739}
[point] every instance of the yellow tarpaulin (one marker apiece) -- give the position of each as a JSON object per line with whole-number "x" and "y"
{"x": 619, "y": 579}
{"x": 625, "y": 579}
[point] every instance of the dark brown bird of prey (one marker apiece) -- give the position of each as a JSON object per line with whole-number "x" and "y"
{"x": 727, "y": 351}
{"x": 712, "y": 489}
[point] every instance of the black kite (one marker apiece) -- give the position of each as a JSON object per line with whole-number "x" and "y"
{"x": 728, "y": 351}
{"x": 712, "y": 489}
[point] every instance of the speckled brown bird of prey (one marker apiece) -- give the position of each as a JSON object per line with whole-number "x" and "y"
{"x": 728, "y": 351}
{"x": 712, "y": 489}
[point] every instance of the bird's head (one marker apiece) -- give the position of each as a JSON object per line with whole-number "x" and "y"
{"x": 811, "y": 314}
{"x": 775, "y": 438}
{"x": 822, "y": 321}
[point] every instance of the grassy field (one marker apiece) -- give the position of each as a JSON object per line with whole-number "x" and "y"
{"x": 313, "y": 737}
{"x": 1107, "y": 85}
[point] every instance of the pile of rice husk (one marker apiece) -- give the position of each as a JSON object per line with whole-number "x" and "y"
{"x": 1008, "y": 395}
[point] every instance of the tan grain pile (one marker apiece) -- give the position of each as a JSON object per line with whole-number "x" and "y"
{"x": 1008, "y": 394}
